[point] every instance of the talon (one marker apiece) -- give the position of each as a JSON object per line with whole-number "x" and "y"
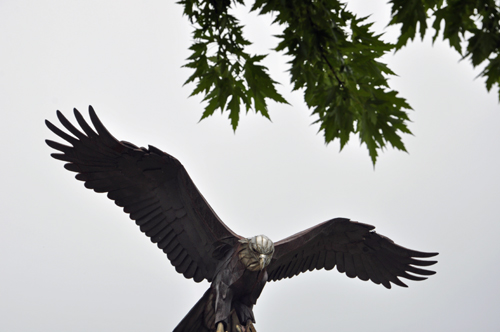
{"x": 250, "y": 327}
{"x": 220, "y": 327}
{"x": 239, "y": 328}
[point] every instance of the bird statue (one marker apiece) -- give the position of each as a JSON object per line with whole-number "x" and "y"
{"x": 156, "y": 191}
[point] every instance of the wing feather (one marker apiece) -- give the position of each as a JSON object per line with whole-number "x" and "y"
{"x": 372, "y": 271}
{"x": 314, "y": 262}
{"x": 182, "y": 262}
{"x": 321, "y": 262}
{"x": 360, "y": 267}
{"x": 190, "y": 270}
{"x": 155, "y": 226}
{"x": 330, "y": 261}
{"x": 292, "y": 267}
{"x": 339, "y": 257}
{"x": 307, "y": 263}
{"x": 161, "y": 233}
{"x": 354, "y": 248}
{"x": 350, "y": 271}
{"x": 151, "y": 186}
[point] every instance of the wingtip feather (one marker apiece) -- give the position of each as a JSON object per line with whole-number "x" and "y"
{"x": 84, "y": 125}
{"x": 77, "y": 113}
{"x": 101, "y": 129}
{"x": 422, "y": 254}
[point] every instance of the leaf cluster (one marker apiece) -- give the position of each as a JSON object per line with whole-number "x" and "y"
{"x": 229, "y": 77}
{"x": 335, "y": 60}
{"x": 472, "y": 27}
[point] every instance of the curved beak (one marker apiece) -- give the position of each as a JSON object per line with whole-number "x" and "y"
{"x": 264, "y": 261}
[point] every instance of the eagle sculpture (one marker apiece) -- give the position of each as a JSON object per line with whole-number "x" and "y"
{"x": 156, "y": 191}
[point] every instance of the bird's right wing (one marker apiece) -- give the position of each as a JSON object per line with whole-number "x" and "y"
{"x": 154, "y": 188}
{"x": 354, "y": 248}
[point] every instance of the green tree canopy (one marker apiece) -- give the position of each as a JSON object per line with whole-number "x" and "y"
{"x": 334, "y": 60}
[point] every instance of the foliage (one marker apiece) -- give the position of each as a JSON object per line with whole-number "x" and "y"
{"x": 231, "y": 73}
{"x": 472, "y": 27}
{"x": 335, "y": 60}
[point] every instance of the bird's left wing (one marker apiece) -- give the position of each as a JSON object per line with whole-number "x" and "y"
{"x": 154, "y": 188}
{"x": 354, "y": 248}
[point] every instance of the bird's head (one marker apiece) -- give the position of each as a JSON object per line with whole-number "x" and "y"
{"x": 256, "y": 252}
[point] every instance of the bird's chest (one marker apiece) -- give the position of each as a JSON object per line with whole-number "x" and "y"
{"x": 242, "y": 282}
{"x": 249, "y": 282}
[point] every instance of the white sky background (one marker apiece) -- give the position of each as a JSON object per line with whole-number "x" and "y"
{"x": 73, "y": 261}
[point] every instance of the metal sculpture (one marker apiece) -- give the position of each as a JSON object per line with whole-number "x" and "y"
{"x": 155, "y": 189}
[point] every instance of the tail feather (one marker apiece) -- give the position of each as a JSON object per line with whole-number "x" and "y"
{"x": 194, "y": 321}
{"x": 201, "y": 317}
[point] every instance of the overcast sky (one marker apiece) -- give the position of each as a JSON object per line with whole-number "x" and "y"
{"x": 73, "y": 261}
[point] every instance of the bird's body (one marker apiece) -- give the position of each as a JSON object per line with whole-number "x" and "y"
{"x": 155, "y": 189}
{"x": 234, "y": 288}
{"x": 238, "y": 282}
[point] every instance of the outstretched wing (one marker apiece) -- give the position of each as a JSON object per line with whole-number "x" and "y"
{"x": 153, "y": 187}
{"x": 351, "y": 246}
